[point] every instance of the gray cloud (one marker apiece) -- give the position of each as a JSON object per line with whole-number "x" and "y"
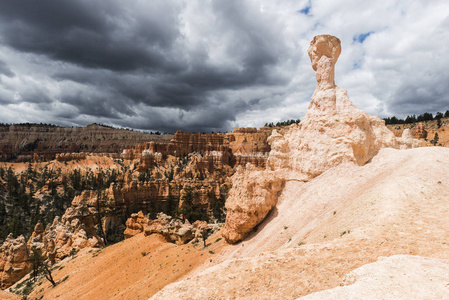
{"x": 5, "y": 70}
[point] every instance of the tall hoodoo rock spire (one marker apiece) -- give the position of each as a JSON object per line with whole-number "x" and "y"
{"x": 333, "y": 132}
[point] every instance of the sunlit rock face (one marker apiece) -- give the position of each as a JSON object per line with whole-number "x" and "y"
{"x": 333, "y": 132}
{"x": 14, "y": 260}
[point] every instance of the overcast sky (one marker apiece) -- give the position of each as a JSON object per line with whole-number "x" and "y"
{"x": 206, "y": 65}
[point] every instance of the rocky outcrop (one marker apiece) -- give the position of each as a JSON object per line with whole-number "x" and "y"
{"x": 68, "y": 234}
{"x": 73, "y": 231}
{"x": 244, "y": 141}
{"x": 135, "y": 224}
{"x": 253, "y": 195}
{"x": 176, "y": 231}
{"x": 421, "y": 132}
{"x": 407, "y": 141}
{"x": 37, "y": 237}
{"x": 64, "y": 237}
{"x": 333, "y": 132}
{"x": 14, "y": 260}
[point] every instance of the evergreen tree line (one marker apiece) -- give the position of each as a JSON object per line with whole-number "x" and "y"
{"x": 413, "y": 118}
{"x": 29, "y": 124}
{"x": 20, "y": 209}
{"x": 283, "y": 123}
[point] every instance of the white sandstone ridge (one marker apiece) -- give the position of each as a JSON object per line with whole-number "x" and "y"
{"x": 333, "y": 132}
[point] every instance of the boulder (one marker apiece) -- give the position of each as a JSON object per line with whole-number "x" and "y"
{"x": 253, "y": 195}
{"x": 135, "y": 224}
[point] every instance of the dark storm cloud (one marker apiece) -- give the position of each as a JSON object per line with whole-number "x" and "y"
{"x": 211, "y": 118}
{"x": 110, "y": 57}
{"x": 93, "y": 34}
{"x": 113, "y": 61}
{"x": 5, "y": 70}
{"x": 417, "y": 98}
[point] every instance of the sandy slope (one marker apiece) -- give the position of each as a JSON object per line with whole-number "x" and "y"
{"x": 396, "y": 204}
{"x": 8, "y": 296}
{"x": 121, "y": 271}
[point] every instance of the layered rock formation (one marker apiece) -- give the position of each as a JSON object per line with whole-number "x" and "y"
{"x": 83, "y": 155}
{"x": 333, "y": 132}
{"x": 27, "y": 141}
{"x": 201, "y": 163}
{"x": 235, "y": 148}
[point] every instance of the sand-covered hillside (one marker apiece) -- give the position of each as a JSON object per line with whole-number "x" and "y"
{"x": 323, "y": 229}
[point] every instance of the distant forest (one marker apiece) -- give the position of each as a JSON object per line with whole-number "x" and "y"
{"x": 413, "y": 118}
{"x": 388, "y": 121}
{"x": 283, "y": 123}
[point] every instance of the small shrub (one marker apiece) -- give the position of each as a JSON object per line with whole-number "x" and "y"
{"x": 28, "y": 288}
{"x": 73, "y": 251}
{"x": 345, "y": 232}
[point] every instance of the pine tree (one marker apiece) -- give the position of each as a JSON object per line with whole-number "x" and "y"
{"x": 435, "y": 139}
{"x": 40, "y": 266}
